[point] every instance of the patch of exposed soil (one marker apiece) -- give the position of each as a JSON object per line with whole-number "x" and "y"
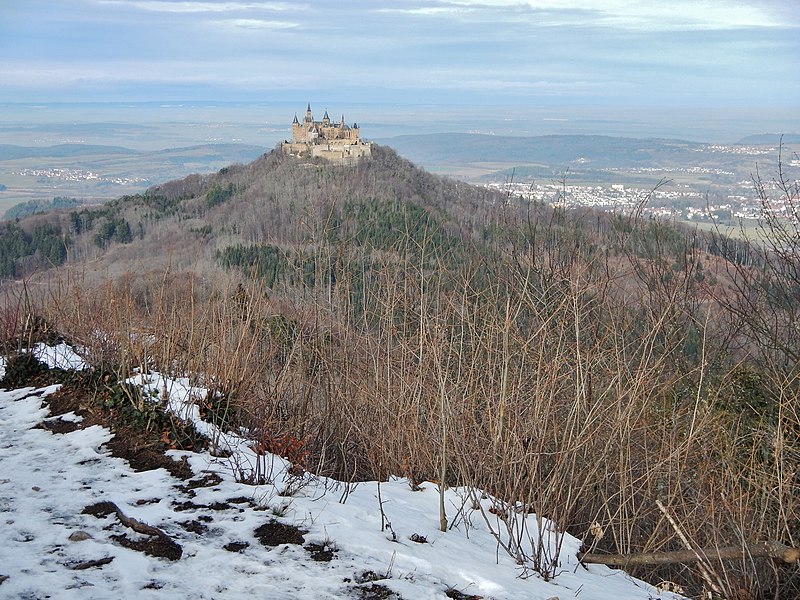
{"x": 240, "y": 500}
{"x": 188, "y": 505}
{"x": 236, "y": 546}
{"x": 368, "y": 577}
{"x": 157, "y": 546}
{"x": 58, "y": 426}
{"x": 275, "y": 533}
{"x": 457, "y": 595}
{"x": 153, "y": 585}
{"x": 144, "y": 450}
{"x": 194, "y": 526}
{"x": 73, "y": 396}
{"x": 204, "y": 481}
{"x": 143, "y": 501}
{"x": 375, "y": 591}
{"x": 100, "y": 509}
{"x": 321, "y": 552}
{"x": 145, "y": 454}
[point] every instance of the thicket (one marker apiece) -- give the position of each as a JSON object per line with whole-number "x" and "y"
{"x": 634, "y": 382}
{"x": 22, "y": 251}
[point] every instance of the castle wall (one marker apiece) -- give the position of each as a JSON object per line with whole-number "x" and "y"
{"x": 332, "y": 141}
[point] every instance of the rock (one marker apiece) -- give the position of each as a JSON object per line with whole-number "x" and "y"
{"x": 79, "y": 536}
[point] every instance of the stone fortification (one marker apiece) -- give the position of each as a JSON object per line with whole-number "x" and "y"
{"x": 336, "y": 142}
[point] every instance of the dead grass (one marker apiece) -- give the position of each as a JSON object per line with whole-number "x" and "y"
{"x": 565, "y": 389}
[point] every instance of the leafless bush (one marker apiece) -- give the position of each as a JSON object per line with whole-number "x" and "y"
{"x": 586, "y": 380}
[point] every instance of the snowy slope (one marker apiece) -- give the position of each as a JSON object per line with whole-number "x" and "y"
{"x": 49, "y": 543}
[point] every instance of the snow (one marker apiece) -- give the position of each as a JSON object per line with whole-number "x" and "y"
{"x": 61, "y": 356}
{"x": 47, "y": 479}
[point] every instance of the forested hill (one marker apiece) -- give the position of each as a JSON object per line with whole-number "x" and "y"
{"x": 274, "y": 200}
{"x": 271, "y": 215}
{"x": 376, "y": 320}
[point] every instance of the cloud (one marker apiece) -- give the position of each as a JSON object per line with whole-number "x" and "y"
{"x": 259, "y": 24}
{"x": 626, "y": 14}
{"x": 201, "y": 7}
{"x": 410, "y": 48}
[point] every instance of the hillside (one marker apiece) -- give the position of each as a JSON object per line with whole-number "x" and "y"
{"x": 268, "y": 201}
{"x": 378, "y": 321}
{"x": 98, "y": 522}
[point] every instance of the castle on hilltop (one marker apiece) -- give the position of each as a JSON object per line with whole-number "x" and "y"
{"x": 336, "y": 142}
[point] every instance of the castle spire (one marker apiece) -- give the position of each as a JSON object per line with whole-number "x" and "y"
{"x": 295, "y": 122}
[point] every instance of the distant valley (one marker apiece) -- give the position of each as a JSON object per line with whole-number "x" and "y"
{"x": 683, "y": 180}
{"x": 93, "y": 174}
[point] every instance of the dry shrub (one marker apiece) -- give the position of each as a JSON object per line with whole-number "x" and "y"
{"x": 587, "y": 391}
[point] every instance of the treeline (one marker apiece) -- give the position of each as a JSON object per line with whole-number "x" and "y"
{"x": 21, "y": 252}
{"x": 23, "y": 209}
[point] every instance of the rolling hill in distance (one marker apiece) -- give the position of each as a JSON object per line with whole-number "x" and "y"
{"x": 94, "y": 173}
{"x": 100, "y": 151}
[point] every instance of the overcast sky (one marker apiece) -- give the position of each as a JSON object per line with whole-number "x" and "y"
{"x": 676, "y": 53}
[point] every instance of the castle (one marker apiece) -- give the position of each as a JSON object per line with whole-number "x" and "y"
{"x": 336, "y": 142}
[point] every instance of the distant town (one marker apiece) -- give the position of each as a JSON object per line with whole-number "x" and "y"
{"x": 672, "y": 203}
{"x": 64, "y": 174}
{"x": 675, "y": 199}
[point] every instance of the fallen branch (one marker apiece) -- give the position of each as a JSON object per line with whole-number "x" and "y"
{"x": 92, "y": 563}
{"x": 138, "y": 526}
{"x": 103, "y": 509}
{"x": 774, "y": 550}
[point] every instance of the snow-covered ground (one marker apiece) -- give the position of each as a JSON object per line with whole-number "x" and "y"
{"x": 49, "y": 548}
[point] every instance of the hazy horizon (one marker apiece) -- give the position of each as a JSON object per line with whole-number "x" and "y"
{"x": 162, "y": 124}
{"x": 194, "y": 71}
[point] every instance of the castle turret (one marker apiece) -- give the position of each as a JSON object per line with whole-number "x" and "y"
{"x": 309, "y": 116}
{"x": 326, "y": 120}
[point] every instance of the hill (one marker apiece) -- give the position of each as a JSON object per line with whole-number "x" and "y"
{"x": 12, "y": 152}
{"x": 601, "y": 151}
{"x": 189, "y": 522}
{"x": 771, "y": 138}
{"x": 269, "y": 202}
{"x": 376, "y": 320}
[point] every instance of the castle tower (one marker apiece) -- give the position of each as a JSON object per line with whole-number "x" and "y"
{"x": 309, "y": 117}
{"x": 326, "y": 120}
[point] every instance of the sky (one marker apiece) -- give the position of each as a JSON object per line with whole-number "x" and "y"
{"x": 638, "y": 53}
